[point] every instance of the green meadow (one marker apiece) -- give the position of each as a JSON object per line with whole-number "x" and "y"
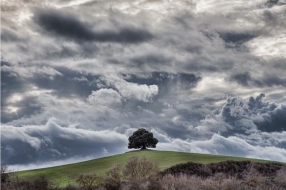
{"x": 66, "y": 174}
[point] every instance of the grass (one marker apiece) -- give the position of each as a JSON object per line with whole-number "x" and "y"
{"x": 66, "y": 174}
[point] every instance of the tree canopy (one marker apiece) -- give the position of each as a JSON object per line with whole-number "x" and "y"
{"x": 142, "y": 139}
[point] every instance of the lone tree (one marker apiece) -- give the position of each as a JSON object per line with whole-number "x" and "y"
{"x": 142, "y": 139}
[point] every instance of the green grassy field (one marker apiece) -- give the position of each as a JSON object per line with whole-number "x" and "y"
{"x": 66, "y": 174}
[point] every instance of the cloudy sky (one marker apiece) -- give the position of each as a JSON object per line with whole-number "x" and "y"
{"x": 80, "y": 76}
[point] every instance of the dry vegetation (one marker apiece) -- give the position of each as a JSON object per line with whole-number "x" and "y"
{"x": 143, "y": 174}
{"x": 237, "y": 169}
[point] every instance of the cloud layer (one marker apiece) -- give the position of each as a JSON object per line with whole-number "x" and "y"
{"x": 78, "y": 77}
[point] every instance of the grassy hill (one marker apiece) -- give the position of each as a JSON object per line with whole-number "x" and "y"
{"x": 66, "y": 174}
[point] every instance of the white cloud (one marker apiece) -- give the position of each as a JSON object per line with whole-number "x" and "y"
{"x": 269, "y": 47}
{"x": 238, "y": 147}
{"x": 232, "y": 146}
{"x": 130, "y": 90}
{"x": 105, "y": 97}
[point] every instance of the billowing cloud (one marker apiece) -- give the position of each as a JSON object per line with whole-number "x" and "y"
{"x": 237, "y": 129}
{"x": 265, "y": 115}
{"x": 104, "y": 97}
{"x": 232, "y": 146}
{"x": 130, "y": 90}
{"x": 50, "y": 142}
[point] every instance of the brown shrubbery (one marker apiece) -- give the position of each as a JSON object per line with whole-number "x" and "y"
{"x": 280, "y": 177}
{"x": 114, "y": 177}
{"x": 88, "y": 181}
{"x": 4, "y": 175}
{"x": 133, "y": 175}
{"x": 143, "y": 174}
{"x": 237, "y": 169}
{"x": 39, "y": 183}
{"x": 140, "y": 168}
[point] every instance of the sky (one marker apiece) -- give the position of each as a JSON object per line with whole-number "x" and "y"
{"x": 78, "y": 77}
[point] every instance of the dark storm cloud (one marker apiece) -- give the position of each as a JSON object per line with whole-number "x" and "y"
{"x": 69, "y": 84}
{"x": 271, "y": 80}
{"x": 10, "y": 84}
{"x": 266, "y": 116}
{"x": 245, "y": 79}
{"x": 236, "y": 38}
{"x": 163, "y": 78}
{"x": 31, "y": 144}
{"x": 67, "y": 25}
{"x": 27, "y": 105}
{"x": 269, "y": 116}
{"x": 271, "y": 3}
{"x": 178, "y": 131}
{"x": 151, "y": 60}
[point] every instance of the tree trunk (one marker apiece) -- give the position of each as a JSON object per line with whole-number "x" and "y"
{"x": 144, "y": 147}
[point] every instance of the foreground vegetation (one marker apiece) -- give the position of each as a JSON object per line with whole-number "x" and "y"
{"x": 67, "y": 174}
{"x": 141, "y": 173}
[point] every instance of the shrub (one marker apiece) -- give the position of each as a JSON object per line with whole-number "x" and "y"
{"x": 41, "y": 183}
{"x": 4, "y": 174}
{"x": 136, "y": 171}
{"x": 237, "y": 169}
{"x": 87, "y": 181}
{"x": 230, "y": 184}
{"x": 114, "y": 177}
{"x": 280, "y": 177}
{"x": 253, "y": 178}
{"x": 155, "y": 183}
{"x": 140, "y": 168}
{"x": 182, "y": 182}
{"x": 135, "y": 185}
{"x": 70, "y": 187}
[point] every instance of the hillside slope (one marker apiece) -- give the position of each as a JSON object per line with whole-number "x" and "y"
{"x": 66, "y": 174}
